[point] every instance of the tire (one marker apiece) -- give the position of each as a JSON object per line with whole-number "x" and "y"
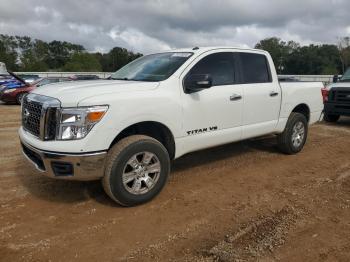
{"x": 121, "y": 163}
{"x": 292, "y": 140}
{"x": 19, "y": 98}
{"x": 331, "y": 118}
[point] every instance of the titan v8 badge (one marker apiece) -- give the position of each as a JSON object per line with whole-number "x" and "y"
{"x": 202, "y": 130}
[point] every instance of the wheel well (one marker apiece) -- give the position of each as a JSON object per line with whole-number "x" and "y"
{"x": 303, "y": 109}
{"x": 155, "y": 130}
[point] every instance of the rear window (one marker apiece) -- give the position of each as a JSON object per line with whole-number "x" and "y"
{"x": 255, "y": 68}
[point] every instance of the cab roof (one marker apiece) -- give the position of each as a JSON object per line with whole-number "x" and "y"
{"x": 197, "y": 49}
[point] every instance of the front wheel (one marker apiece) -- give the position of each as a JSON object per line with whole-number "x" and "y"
{"x": 293, "y": 138}
{"x": 331, "y": 118}
{"x": 137, "y": 169}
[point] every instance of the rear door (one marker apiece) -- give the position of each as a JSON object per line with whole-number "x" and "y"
{"x": 262, "y": 95}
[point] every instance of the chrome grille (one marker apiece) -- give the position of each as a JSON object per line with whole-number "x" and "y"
{"x": 40, "y": 116}
{"x": 31, "y": 114}
{"x": 51, "y": 123}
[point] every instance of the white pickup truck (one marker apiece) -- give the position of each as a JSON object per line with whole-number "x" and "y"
{"x": 126, "y": 130}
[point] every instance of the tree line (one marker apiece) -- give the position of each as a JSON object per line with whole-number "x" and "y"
{"x": 292, "y": 58}
{"x": 21, "y": 53}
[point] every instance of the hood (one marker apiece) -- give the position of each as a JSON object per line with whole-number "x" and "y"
{"x": 339, "y": 84}
{"x": 72, "y": 92}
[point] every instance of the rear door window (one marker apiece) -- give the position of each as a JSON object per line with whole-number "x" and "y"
{"x": 255, "y": 68}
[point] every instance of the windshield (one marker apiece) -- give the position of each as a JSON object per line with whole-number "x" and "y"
{"x": 346, "y": 76}
{"x": 154, "y": 68}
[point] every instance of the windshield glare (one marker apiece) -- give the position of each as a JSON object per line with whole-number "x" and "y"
{"x": 154, "y": 68}
{"x": 346, "y": 76}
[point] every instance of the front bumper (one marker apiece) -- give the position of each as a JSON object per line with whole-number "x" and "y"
{"x": 337, "y": 109}
{"x": 84, "y": 167}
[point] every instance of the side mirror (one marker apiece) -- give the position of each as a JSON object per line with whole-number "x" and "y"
{"x": 335, "y": 78}
{"x": 194, "y": 83}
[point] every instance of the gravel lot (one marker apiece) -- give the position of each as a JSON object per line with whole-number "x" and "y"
{"x": 243, "y": 201}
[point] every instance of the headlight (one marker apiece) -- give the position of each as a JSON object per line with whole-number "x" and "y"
{"x": 76, "y": 123}
{"x": 9, "y": 90}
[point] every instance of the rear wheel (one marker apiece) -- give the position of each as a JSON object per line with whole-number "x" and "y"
{"x": 293, "y": 138}
{"x": 137, "y": 169}
{"x": 331, "y": 118}
{"x": 19, "y": 98}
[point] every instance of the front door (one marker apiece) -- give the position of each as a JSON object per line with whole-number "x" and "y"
{"x": 213, "y": 116}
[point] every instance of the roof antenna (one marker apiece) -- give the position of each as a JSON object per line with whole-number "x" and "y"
{"x": 195, "y": 48}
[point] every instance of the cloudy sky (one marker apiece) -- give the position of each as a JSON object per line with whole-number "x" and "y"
{"x": 152, "y": 25}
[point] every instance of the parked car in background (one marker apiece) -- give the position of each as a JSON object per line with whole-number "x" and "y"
{"x": 14, "y": 93}
{"x": 11, "y": 80}
{"x": 50, "y": 80}
{"x": 84, "y": 77}
{"x": 12, "y": 84}
{"x": 6, "y": 80}
{"x": 29, "y": 78}
{"x": 336, "y": 98}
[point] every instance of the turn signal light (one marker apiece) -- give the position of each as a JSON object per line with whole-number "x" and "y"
{"x": 95, "y": 116}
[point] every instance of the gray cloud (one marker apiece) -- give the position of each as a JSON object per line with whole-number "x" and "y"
{"x": 152, "y": 25}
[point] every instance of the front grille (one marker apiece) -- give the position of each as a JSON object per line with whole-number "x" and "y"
{"x": 340, "y": 95}
{"x": 51, "y": 123}
{"x": 31, "y": 114}
{"x": 343, "y": 96}
{"x": 40, "y": 116}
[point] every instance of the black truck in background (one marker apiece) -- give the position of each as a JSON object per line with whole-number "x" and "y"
{"x": 337, "y": 99}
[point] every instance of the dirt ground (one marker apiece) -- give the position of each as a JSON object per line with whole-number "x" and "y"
{"x": 243, "y": 201}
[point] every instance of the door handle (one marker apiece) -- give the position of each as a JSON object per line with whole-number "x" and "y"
{"x": 235, "y": 97}
{"x": 273, "y": 93}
